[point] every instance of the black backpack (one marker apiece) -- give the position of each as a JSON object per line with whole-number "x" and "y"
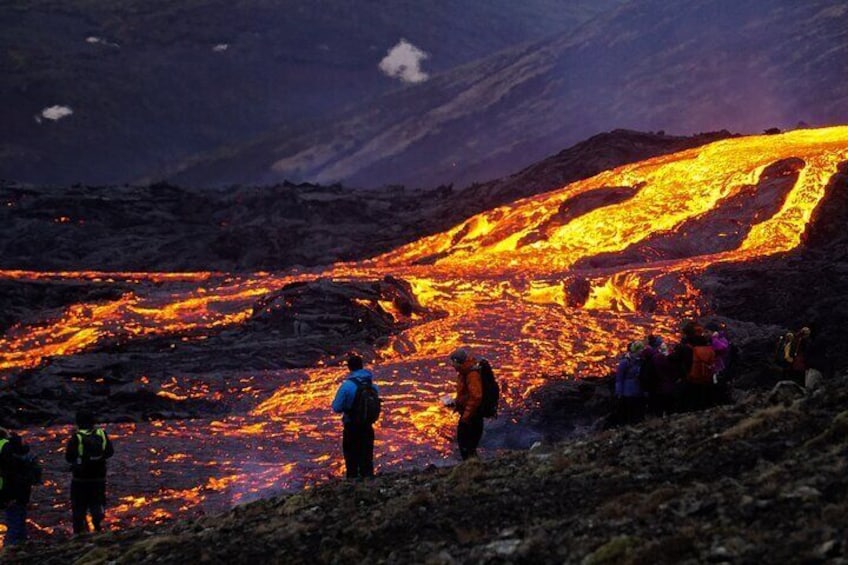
{"x": 366, "y": 404}
{"x": 28, "y": 469}
{"x": 90, "y": 448}
{"x": 491, "y": 390}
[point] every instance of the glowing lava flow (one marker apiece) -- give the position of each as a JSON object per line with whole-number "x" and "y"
{"x": 672, "y": 189}
{"x": 509, "y": 281}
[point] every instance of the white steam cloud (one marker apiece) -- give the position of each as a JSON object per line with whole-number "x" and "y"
{"x": 56, "y": 112}
{"x": 404, "y": 62}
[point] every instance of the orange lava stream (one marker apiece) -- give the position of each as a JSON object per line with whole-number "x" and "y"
{"x": 501, "y": 280}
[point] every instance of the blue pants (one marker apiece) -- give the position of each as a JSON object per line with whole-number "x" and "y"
{"x": 15, "y": 524}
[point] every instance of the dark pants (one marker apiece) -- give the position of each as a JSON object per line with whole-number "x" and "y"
{"x": 468, "y": 436}
{"x": 358, "y": 448}
{"x": 15, "y": 524}
{"x": 699, "y": 396}
{"x": 87, "y": 497}
{"x": 631, "y": 409}
{"x": 661, "y": 404}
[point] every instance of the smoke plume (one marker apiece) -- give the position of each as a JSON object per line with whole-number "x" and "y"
{"x": 404, "y": 62}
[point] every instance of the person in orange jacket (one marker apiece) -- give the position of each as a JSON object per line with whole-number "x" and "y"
{"x": 469, "y": 396}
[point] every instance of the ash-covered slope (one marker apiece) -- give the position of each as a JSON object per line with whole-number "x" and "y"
{"x": 168, "y": 228}
{"x": 650, "y": 65}
{"x": 153, "y": 82}
{"x": 762, "y": 481}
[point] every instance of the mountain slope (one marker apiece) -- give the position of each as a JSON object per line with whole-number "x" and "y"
{"x": 649, "y": 65}
{"x": 152, "y": 82}
{"x": 110, "y": 228}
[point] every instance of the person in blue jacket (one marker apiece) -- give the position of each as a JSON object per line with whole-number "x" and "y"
{"x": 628, "y": 388}
{"x": 358, "y": 434}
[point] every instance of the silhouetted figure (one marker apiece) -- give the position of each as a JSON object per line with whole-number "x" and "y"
{"x": 469, "y": 396}
{"x": 662, "y": 375}
{"x": 798, "y": 353}
{"x": 15, "y": 487}
{"x": 87, "y": 450}
{"x": 818, "y": 366}
{"x": 358, "y": 433}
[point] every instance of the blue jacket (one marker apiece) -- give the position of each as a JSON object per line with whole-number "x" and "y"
{"x": 343, "y": 401}
{"x": 627, "y": 377}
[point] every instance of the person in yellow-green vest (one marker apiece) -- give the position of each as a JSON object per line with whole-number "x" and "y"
{"x": 87, "y": 450}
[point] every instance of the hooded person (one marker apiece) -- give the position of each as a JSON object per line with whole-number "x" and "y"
{"x": 469, "y": 397}
{"x": 358, "y": 433}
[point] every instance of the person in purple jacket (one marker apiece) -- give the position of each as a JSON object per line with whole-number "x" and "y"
{"x": 721, "y": 345}
{"x": 358, "y": 436}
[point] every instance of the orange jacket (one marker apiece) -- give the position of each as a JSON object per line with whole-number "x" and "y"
{"x": 469, "y": 389}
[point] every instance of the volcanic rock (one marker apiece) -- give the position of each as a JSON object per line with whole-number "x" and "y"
{"x": 274, "y": 227}
{"x": 752, "y": 482}
{"x": 294, "y": 327}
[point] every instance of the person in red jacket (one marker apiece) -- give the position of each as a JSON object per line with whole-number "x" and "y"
{"x": 469, "y": 396}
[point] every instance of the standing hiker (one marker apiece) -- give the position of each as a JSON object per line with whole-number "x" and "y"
{"x": 19, "y": 471}
{"x": 469, "y": 397}
{"x": 87, "y": 450}
{"x": 358, "y": 400}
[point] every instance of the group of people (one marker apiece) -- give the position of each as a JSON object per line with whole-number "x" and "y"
{"x": 652, "y": 378}
{"x": 358, "y": 430}
{"x": 801, "y": 357}
{"x": 86, "y": 451}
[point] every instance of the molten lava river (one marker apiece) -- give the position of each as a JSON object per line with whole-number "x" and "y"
{"x": 549, "y": 287}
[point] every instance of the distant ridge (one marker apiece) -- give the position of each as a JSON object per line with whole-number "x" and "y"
{"x": 650, "y": 65}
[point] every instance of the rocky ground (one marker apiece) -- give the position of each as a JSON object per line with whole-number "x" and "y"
{"x": 762, "y": 480}
{"x": 293, "y": 327}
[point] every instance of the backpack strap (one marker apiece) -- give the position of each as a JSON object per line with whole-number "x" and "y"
{"x": 98, "y": 432}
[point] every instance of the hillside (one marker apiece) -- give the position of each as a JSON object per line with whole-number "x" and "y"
{"x": 650, "y": 65}
{"x": 760, "y": 481}
{"x": 164, "y": 227}
{"x": 150, "y": 83}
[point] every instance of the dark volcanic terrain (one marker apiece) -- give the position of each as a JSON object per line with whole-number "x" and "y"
{"x": 165, "y": 228}
{"x": 168, "y": 228}
{"x": 761, "y": 481}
